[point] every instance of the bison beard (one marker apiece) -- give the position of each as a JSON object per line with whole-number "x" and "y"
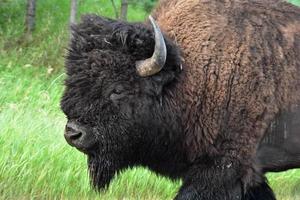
{"x": 101, "y": 171}
{"x": 204, "y": 123}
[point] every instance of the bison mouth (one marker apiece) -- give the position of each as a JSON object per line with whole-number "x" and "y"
{"x": 101, "y": 171}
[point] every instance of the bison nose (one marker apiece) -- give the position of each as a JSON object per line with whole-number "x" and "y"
{"x": 74, "y": 134}
{"x": 80, "y": 136}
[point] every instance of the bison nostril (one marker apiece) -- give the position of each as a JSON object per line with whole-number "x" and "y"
{"x": 75, "y": 136}
{"x": 73, "y": 133}
{"x": 79, "y": 136}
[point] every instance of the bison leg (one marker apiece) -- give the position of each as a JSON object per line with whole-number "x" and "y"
{"x": 260, "y": 192}
{"x": 210, "y": 183}
{"x": 220, "y": 182}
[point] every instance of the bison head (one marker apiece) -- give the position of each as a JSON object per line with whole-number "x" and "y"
{"x": 117, "y": 74}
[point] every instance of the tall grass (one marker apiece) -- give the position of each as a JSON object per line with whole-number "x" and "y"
{"x": 35, "y": 161}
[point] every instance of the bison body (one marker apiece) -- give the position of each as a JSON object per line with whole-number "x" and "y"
{"x": 280, "y": 148}
{"x": 230, "y": 68}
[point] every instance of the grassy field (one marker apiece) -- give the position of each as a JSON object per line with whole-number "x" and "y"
{"x": 35, "y": 161}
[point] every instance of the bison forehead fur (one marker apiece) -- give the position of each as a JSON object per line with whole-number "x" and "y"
{"x": 240, "y": 69}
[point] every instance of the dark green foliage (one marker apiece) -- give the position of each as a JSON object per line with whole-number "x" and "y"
{"x": 49, "y": 40}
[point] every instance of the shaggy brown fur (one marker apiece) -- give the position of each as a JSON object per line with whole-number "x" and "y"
{"x": 241, "y": 67}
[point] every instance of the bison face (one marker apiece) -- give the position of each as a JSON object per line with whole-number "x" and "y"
{"x": 114, "y": 111}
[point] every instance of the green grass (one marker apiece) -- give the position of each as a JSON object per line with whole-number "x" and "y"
{"x": 296, "y": 2}
{"x": 35, "y": 160}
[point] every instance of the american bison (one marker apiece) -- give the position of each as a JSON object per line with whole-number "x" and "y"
{"x": 189, "y": 95}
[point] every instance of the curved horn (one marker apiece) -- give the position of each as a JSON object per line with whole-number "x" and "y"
{"x": 154, "y": 64}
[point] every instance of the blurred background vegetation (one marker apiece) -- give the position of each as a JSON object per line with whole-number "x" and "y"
{"x": 35, "y": 161}
{"x": 47, "y": 44}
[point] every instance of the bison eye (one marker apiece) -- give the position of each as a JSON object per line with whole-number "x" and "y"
{"x": 117, "y": 93}
{"x": 118, "y": 89}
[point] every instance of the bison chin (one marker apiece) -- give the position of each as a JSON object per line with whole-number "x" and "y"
{"x": 101, "y": 171}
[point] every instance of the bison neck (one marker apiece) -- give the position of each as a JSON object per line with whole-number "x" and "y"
{"x": 164, "y": 153}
